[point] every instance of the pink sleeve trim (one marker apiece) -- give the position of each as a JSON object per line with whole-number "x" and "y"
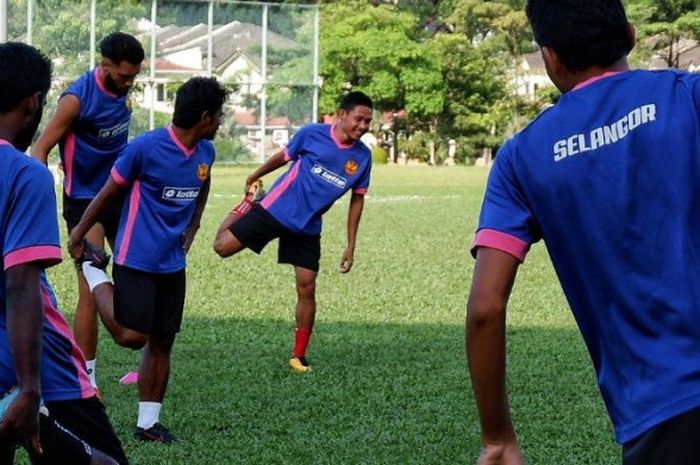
{"x": 118, "y": 178}
{"x": 360, "y": 190}
{"x": 287, "y": 157}
{"x": 501, "y": 241}
{"x": 51, "y": 254}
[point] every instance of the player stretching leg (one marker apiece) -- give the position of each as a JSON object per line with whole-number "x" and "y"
{"x": 166, "y": 174}
{"x": 327, "y": 161}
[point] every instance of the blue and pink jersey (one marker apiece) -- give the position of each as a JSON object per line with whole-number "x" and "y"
{"x": 610, "y": 179}
{"x": 322, "y": 170}
{"x": 29, "y": 234}
{"x": 165, "y": 179}
{"x": 96, "y": 137}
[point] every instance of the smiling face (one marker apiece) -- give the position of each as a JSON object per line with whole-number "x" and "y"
{"x": 354, "y": 123}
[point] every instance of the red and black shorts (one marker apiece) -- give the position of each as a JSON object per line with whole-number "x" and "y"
{"x": 256, "y": 229}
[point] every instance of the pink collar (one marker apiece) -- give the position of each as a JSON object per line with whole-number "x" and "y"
{"x": 337, "y": 142}
{"x": 178, "y": 142}
{"x": 593, "y": 79}
{"x": 101, "y": 84}
{"x": 4, "y": 142}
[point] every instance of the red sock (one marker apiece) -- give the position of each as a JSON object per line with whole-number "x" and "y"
{"x": 243, "y": 207}
{"x": 302, "y": 337}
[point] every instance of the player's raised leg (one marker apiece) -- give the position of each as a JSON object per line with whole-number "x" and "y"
{"x": 85, "y": 320}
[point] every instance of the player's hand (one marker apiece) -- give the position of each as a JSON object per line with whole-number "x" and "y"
{"x": 249, "y": 182}
{"x": 346, "y": 261}
{"x": 75, "y": 245}
{"x": 501, "y": 454}
{"x": 21, "y": 422}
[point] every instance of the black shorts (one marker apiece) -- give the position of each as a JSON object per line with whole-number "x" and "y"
{"x": 73, "y": 210}
{"x": 150, "y": 303}
{"x": 674, "y": 441}
{"x": 70, "y": 433}
{"x": 256, "y": 229}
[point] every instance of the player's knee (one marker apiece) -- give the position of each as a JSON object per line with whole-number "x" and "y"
{"x": 130, "y": 340}
{"x": 99, "y": 458}
{"x": 222, "y": 247}
{"x": 306, "y": 289}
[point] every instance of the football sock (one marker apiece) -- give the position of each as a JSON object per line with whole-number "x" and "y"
{"x": 94, "y": 276}
{"x": 90, "y": 365}
{"x": 302, "y": 337}
{"x": 243, "y": 207}
{"x": 149, "y": 414}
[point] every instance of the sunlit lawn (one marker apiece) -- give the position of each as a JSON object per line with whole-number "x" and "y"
{"x": 390, "y": 385}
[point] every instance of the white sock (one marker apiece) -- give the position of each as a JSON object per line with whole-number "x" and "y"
{"x": 90, "y": 364}
{"x": 94, "y": 276}
{"x": 149, "y": 414}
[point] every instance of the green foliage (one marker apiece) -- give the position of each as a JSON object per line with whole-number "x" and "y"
{"x": 62, "y": 28}
{"x": 665, "y": 22}
{"x": 230, "y": 148}
{"x": 379, "y": 156}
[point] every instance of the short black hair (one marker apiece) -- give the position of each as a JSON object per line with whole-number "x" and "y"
{"x": 583, "y": 33}
{"x": 119, "y": 47}
{"x": 355, "y": 99}
{"x": 24, "y": 70}
{"x": 196, "y": 96}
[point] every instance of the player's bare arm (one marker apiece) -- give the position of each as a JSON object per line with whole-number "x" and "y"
{"x": 193, "y": 227}
{"x": 272, "y": 163}
{"x": 25, "y": 317}
{"x": 67, "y": 111}
{"x": 97, "y": 206}
{"x": 357, "y": 203}
{"x": 494, "y": 275}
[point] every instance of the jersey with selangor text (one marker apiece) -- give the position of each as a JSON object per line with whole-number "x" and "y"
{"x": 95, "y": 139}
{"x": 610, "y": 179}
{"x": 29, "y": 234}
{"x": 323, "y": 169}
{"x": 165, "y": 179}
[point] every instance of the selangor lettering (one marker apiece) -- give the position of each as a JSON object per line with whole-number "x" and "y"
{"x": 605, "y": 135}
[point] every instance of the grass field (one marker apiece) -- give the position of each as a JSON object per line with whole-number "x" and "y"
{"x": 390, "y": 385}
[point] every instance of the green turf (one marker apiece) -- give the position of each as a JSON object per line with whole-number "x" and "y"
{"x": 390, "y": 385}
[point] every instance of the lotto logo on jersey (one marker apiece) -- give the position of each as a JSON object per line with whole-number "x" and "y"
{"x": 351, "y": 167}
{"x": 181, "y": 194}
{"x": 203, "y": 171}
{"x": 329, "y": 176}
{"x": 113, "y": 131}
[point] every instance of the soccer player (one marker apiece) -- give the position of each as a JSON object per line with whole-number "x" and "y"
{"x": 91, "y": 127}
{"x": 38, "y": 354}
{"x": 327, "y": 161}
{"x": 609, "y": 178}
{"x": 166, "y": 175}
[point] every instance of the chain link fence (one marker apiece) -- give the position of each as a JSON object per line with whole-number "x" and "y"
{"x": 266, "y": 54}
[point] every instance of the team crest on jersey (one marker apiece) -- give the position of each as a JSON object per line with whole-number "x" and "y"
{"x": 351, "y": 167}
{"x": 203, "y": 172}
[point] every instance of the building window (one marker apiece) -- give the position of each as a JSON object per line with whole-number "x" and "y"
{"x": 161, "y": 93}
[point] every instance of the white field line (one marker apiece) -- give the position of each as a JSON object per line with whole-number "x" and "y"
{"x": 370, "y": 198}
